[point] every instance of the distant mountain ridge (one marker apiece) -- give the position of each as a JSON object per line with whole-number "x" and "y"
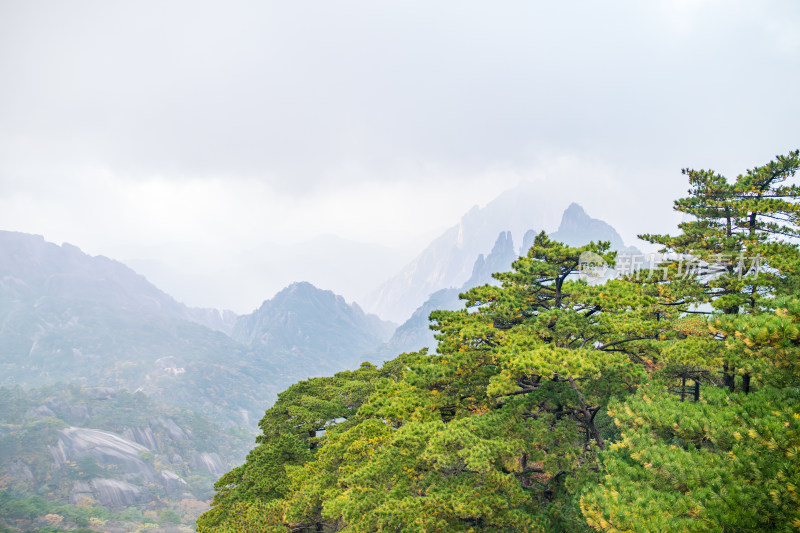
{"x": 451, "y": 258}
{"x": 70, "y": 317}
{"x": 448, "y": 261}
{"x": 576, "y": 229}
{"x": 29, "y": 263}
{"x": 318, "y": 326}
{"x": 66, "y": 316}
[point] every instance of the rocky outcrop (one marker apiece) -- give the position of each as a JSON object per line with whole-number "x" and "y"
{"x": 111, "y": 493}
{"x": 105, "y": 448}
{"x": 134, "y": 475}
{"x": 215, "y": 319}
{"x": 19, "y": 471}
{"x": 135, "y": 452}
{"x": 143, "y": 436}
{"x": 209, "y": 461}
{"x": 174, "y": 431}
{"x": 172, "y": 482}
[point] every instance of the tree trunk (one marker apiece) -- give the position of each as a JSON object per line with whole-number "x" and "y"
{"x": 683, "y": 388}
{"x": 729, "y": 377}
{"x": 588, "y": 417}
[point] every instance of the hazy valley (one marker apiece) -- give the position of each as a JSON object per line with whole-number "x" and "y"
{"x": 124, "y": 405}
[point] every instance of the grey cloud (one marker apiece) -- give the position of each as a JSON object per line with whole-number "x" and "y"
{"x": 299, "y": 93}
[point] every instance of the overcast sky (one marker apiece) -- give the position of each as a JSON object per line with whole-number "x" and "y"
{"x": 220, "y": 126}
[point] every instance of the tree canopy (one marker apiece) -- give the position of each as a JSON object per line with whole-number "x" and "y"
{"x": 658, "y": 401}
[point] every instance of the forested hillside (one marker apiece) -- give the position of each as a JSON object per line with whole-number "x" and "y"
{"x": 664, "y": 400}
{"x": 70, "y": 317}
{"x": 120, "y": 404}
{"x": 74, "y": 456}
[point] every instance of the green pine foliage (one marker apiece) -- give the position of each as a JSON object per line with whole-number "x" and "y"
{"x": 728, "y": 461}
{"x": 725, "y": 463}
{"x": 656, "y": 402}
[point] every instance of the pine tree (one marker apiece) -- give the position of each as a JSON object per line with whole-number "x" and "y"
{"x": 251, "y": 497}
{"x": 727, "y": 461}
{"x": 549, "y": 403}
{"x": 486, "y": 434}
{"x": 736, "y": 242}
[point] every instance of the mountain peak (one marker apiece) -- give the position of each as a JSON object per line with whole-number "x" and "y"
{"x": 575, "y": 217}
{"x": 503, "y": 244}
{"x": 314, "y": 323}
{"x": 578, "y": 228}
{"x": 574, "y": 210}
{"x": 502, "y": 255}
{"x": 301, "y": 287}
{"x": 448, "y": 261}
{"x": 304, "y": 291}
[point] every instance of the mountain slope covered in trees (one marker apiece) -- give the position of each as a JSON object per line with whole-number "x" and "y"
{"x": 70, "y": 317}
{"x": 103, "y": 457}
{"x": 177, "y": 396}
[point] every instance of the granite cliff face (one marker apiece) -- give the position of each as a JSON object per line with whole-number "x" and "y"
{"x": 135, "y": 481}
{"x": 111, "y": 493}
{"x": 136, "y": 478}
{"x": 102, "y": 446}
{"x": 105, "y": 448}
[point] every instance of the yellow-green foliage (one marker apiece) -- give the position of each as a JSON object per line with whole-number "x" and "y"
{"x": 549, "y": 404}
